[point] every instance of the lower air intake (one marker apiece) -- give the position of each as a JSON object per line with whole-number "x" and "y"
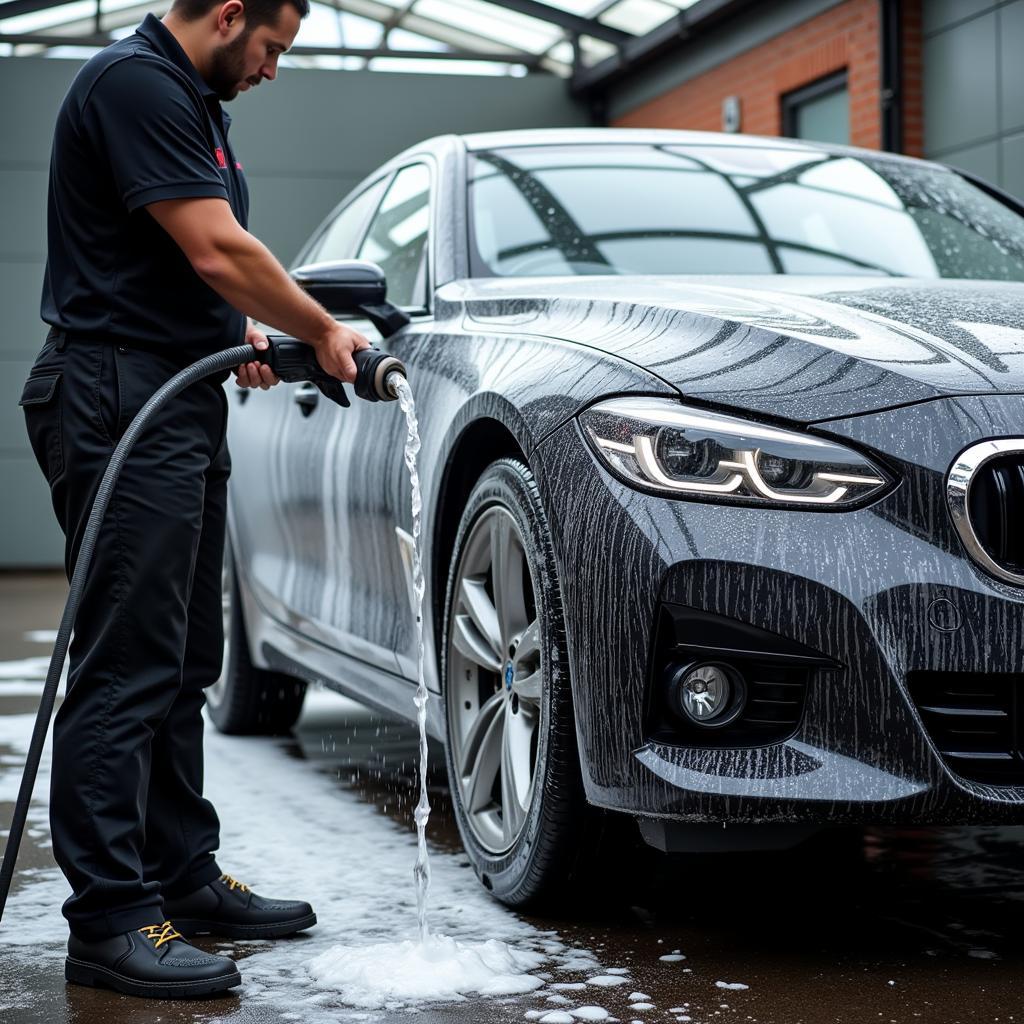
{"x": 976, "y": 720}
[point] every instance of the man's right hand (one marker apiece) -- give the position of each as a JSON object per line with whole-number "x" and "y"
{"x": 334, "y": 352}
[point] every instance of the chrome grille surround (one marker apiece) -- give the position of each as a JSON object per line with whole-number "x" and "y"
{"x": 962, "y": 474}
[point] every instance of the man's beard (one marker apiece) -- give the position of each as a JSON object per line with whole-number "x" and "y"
{"x": 227, "y": 68}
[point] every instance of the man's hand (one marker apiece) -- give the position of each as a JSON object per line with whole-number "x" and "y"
{"x": 334, "y": 352}
{"x": 256, "y": 375}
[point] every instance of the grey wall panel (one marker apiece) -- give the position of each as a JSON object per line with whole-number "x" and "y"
{"x": 943, "y": 13}
{"x": 22, "y": 212}
{"x": 21, "y": 330}
{"x": 1013, "y": 164}
{"x": 346, "y": 123}
{"x": 974, "y": 87}
{"x": 982, "y": 160}
{"x": 12, "y": 422}
{"x": 286, "y": 209}
{"x": 28, "y": 516}
{"x": 1011, "y": 66}
{"x": 304, "y": 141}
{"x": 960, "y": 85}
{"x": 32, "y": 89}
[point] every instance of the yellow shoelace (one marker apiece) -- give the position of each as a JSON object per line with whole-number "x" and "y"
{"x": 233, "y": 883}
{"x": 160, "y": 933}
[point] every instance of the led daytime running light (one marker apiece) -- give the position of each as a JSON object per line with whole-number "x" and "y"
{"x": 738, "y": 447}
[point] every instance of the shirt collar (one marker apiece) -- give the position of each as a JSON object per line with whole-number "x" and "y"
{"x": 162, "y": 40}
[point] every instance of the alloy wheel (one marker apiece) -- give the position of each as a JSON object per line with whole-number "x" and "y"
{"x": 494, "y": 680}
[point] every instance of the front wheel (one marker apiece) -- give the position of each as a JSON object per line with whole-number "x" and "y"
{"x": 246, "y": 700}
{"x": 511, "y": 744}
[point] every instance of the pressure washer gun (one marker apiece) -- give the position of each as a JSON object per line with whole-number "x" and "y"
{"x": 295, "y": 361}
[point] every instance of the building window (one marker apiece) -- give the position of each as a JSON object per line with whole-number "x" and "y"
{"x": 819, "y": 112}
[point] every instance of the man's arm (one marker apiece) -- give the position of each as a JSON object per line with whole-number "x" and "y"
{"x": 243, "y": 271}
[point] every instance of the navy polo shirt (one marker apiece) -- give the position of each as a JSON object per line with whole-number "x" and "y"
{"x": 138, "y": 125}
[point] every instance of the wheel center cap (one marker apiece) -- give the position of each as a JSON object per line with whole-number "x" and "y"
{"x": 510, "y": 674}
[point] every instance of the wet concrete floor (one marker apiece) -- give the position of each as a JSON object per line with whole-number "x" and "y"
{"x": 882, "y": 925}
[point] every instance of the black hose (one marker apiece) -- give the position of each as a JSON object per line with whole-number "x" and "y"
{"x": 204, "y": 367}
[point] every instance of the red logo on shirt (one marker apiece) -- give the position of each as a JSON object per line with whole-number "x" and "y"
{"x": 219, "y": 153}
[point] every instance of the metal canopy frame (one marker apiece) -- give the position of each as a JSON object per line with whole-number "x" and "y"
{"x": 563, "y": 37}
{"x": 592, "y": 43}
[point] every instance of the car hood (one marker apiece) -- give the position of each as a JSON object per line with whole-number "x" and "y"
{"x": 804, "y": 348}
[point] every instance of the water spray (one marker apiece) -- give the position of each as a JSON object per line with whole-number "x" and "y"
{"x": 379, "y": 377}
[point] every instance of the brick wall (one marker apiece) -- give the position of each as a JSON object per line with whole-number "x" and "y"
{"x": 845, "y": 37}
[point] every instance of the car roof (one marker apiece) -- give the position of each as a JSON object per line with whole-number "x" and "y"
{"x": 475, "y": 141}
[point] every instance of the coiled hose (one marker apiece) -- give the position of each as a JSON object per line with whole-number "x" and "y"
{"x": 294, "y": 361}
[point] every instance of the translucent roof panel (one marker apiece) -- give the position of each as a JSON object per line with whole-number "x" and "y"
{"x": 638, "y": 17}
{"x": 403, "y": 39}
{"x": 493, "y": 22}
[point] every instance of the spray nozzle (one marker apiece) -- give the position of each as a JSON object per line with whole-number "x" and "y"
{"x": 295, "y": 361}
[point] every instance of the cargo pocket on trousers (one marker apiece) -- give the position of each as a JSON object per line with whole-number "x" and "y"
{"x": 40, "y": 398}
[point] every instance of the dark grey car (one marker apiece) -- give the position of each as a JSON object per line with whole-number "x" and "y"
{"x": 723, "y": 471}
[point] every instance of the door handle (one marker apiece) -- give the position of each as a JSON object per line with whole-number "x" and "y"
{"x": 306, "y": 395}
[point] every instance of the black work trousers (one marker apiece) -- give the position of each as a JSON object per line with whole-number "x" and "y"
{"x": 129, "y": 821}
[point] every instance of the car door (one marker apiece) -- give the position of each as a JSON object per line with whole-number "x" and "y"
{"x": 366, "y": 511}
{"x": 298, "y": 426}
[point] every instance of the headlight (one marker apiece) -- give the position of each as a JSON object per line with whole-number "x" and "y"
{"x": 660, "y": 445}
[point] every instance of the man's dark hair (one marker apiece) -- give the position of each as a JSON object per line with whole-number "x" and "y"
{"x": 257, "y": 12}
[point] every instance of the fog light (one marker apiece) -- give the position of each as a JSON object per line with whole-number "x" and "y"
{"x": 707, "y": 693}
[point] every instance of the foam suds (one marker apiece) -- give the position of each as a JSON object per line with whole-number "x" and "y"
{"x": 435, "y": 969}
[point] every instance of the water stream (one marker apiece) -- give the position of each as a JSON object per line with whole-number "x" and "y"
{"x": 421, "y": 871}
{"x": 437, "y": 966}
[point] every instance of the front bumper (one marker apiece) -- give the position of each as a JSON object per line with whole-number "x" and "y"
{"x": 885, "y": 593}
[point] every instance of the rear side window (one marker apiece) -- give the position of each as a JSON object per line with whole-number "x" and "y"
{"x": 397, "y": 236}
{"x": 341, "y": 238}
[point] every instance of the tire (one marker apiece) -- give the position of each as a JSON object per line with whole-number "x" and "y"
{"x": 530, "y": 856}
{"x": 246, "y": 700}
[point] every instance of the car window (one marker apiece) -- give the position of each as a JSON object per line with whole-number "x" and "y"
{"x": 681, "y": 209}
{"x": 397, "y": 236}
{"x": 341, "y": 237}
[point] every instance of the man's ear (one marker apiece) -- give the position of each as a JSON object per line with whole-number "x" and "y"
{"x": 230, "y": 15}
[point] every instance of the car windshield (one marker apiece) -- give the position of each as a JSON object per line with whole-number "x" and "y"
{"x": 706, "y": 209}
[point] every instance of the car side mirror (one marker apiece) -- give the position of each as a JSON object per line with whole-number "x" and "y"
{"x": 352, "y": 286}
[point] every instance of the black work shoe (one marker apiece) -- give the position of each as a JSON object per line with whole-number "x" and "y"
{"x": 229, "y": 908}
{"x": 154, "y": 961}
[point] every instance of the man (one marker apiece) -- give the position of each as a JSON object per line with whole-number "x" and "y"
{"x": 149, "y": 267}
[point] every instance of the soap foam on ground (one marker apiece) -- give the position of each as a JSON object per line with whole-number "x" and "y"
{"x": 439, "y": 968}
